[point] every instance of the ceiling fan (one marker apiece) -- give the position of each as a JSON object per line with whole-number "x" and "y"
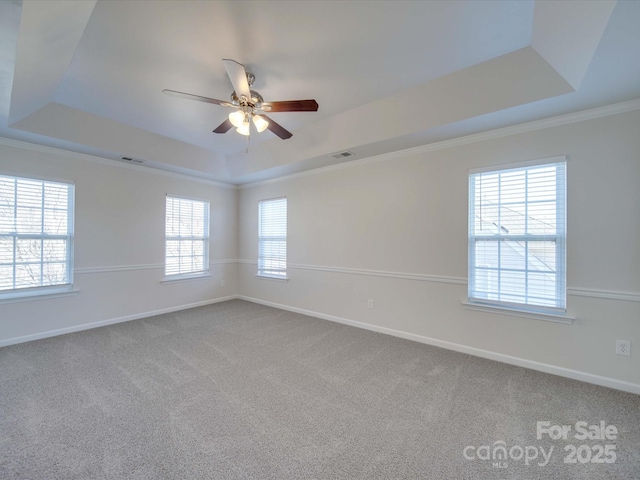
{"x": 249, "y": 105}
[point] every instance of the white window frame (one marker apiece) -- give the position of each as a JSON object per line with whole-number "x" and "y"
{"x": 169, "y": 277}
{"x": 559, "y": 309}
{"x": 41, "y": 290}
{"x": 263, "y": 269}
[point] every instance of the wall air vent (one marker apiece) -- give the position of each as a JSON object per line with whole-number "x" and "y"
{"x": 131, "y": 160}
{"x": 342, "y": 154}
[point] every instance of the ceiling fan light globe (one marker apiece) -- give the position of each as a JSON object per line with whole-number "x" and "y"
{"x": 237, "y": 118}
{"x": 244, "y": 129}
{"x": 260, "y": 123}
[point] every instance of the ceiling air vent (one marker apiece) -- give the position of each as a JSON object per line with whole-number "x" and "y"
{"x": 342, "y": 154}
{"x": 131, "y": 160}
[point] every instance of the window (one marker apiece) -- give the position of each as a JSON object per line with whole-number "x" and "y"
{"x": 517, "y": 237}
{"x": 36, "y": 236}
{"x": 186, "y": 237}
{"x": 272, "y": 238}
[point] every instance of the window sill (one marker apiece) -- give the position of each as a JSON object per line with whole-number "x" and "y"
{"x": 269, "y": 277}
{"x": 185, "y": 278}
{"x": 27, "y": 297}
{"x": 547, "y": 317}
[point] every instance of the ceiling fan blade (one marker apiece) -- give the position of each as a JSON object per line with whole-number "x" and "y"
{"x": 278, "y": 129}
{"x": 291, "y": 106}
{"x": 197, "y": 98}
{"x": 224, "y": 127}
{"x": 238, "y": 77}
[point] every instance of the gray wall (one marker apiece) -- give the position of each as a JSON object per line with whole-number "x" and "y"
{"x": 119, "y": 244}
{"x": 395, "y": 231}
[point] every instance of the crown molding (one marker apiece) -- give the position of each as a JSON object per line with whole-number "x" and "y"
{"x": 110, "y": 162}
{"x": 560, "y": 120}
{"x": 551, "y": 122}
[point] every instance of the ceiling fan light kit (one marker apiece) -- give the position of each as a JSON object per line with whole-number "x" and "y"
{"x": 260, "y": 123}
{"x": 249, "y": 104}
{"x": 240, "y": 120}
{"x": 244, "y": 129}
{"x": 237, "y": 118}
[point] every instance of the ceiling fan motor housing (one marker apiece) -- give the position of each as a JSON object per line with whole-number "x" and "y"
{"x": 255, "y": 100}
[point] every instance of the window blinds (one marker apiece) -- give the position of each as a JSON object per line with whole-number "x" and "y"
{"x": 272, "y": 237}
{"x": 517, "y": 237}
{"x": 186, "y": 236}
{"x": 36, "y": 233}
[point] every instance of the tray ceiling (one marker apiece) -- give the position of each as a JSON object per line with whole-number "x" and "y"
{"x": 88, "y": 76}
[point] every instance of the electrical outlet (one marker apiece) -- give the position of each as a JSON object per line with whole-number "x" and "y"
{"x": 222, "y": 283}
{"x": 623, "y": 347}
{"x": 370, "y": 303}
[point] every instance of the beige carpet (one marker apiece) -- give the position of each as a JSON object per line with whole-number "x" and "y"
{"x": 238, "y": 390}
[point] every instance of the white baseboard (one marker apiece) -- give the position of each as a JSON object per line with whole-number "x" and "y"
{"x": 110, "y": 321}
{"x": 520, "y": 362}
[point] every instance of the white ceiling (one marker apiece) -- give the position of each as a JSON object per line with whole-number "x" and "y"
{"x": 88, "y": 76}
